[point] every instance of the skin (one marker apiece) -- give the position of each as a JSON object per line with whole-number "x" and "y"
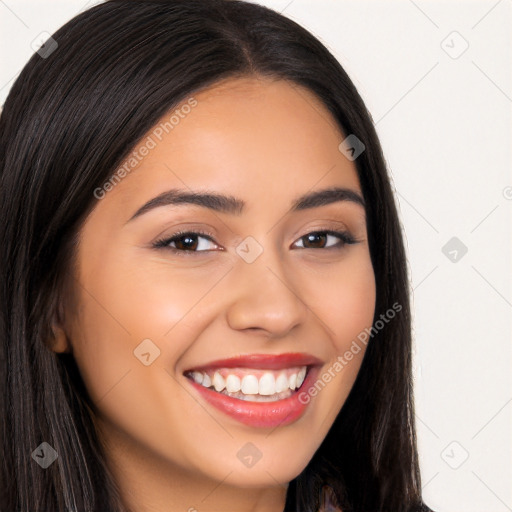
{"x": 265, "y": 142}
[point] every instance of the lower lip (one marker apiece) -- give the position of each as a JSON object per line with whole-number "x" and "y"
{"x": 260, "y": 414}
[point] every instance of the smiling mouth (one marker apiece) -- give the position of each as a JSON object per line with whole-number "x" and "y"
{"x": 251, "y": 384}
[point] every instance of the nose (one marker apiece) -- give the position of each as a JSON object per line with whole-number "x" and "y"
{"x": 264, "y": 297}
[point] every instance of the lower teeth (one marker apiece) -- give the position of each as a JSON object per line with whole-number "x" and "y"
{"x": 257, "y": 398}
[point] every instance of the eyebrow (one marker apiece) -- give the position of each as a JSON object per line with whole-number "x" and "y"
{"x": 234, "y": 206}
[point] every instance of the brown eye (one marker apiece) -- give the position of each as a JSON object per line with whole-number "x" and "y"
{"x": 324, "y": 239}
{"x": 186, "y": 242}
{"x": 315, "y": 240}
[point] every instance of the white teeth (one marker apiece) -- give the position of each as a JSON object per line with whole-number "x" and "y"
{"x": 198, "y": 377}
{"x": 207, "y": 382}
{"x": 267, "y": 384}
{"x": 218, "y": 381}
{"x": 233, "y": 383}
{"x": 250, "y": 385}
{"x": 300, "y": 377}
{"x": 281, "y": 383}
{"x": 293, "y": 381}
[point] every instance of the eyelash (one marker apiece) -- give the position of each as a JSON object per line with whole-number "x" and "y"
{"x": 163, "y": 243}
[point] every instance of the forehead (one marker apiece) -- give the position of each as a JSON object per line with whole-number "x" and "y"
{"x": 258, "y": 137}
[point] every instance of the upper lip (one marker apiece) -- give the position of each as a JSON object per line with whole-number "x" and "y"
{"x": 262, "y": 361}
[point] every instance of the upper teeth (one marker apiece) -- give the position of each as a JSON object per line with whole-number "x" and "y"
{"x": 268, "y": 383}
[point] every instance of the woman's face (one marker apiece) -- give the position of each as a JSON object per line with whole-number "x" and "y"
{"x": 264, "y": 293}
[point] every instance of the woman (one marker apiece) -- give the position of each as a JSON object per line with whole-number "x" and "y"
{"x": 204, "y": 292}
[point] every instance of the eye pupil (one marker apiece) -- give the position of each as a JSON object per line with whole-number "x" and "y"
{"x": 312, "y": 236}
{"x": 188, "y": 240}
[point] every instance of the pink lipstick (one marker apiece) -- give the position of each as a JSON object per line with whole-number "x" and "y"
{"x": 258, "y": 390}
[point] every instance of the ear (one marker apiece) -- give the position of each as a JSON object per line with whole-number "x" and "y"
{"x": 59, "y": 341}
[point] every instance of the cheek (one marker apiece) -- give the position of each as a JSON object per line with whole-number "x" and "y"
{"x": 131, "y": 314}
{"x": 119, "y": 324}
{"x": 122, "y": 308}
{"x": 131, "y": 299}
{"x": 347, "y": 309}
{"x": 346, "y": 303}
